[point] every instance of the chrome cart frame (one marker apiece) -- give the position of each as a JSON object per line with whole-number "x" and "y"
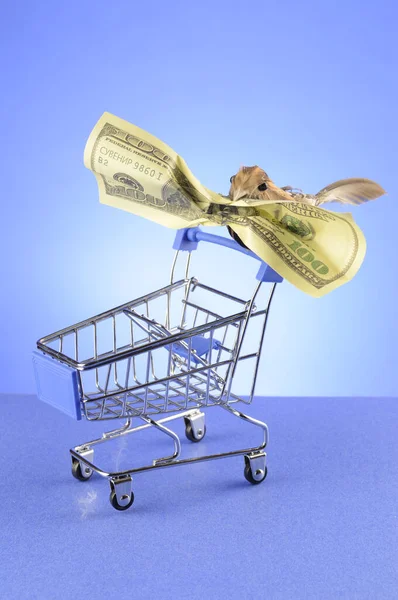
{"x": 175, "y": 350}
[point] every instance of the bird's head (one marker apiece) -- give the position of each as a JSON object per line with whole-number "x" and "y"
{"x": 248, "y": 182}
{"x": 253, "y": 182}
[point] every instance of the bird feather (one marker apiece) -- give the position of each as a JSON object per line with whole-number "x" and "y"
{"x": 350, "y": 191}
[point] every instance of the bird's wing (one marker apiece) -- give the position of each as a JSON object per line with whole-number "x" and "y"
{"x": 350, "y": 191}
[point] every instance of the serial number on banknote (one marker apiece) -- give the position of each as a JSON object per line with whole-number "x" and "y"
{"x": 136, "y": 165}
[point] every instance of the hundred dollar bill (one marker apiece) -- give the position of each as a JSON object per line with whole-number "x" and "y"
{"x": 314, "y": 249}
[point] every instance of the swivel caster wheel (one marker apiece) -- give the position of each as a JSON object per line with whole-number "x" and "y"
{"x": 80, "y": 470}
{"x": 195, "y": 428}
{"x": 255, "y": 468}
{"x": 115, "y": 502}
{"x": 121, "y": 496}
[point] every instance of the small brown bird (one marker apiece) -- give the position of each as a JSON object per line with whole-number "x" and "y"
{"x": 251, "y": 186}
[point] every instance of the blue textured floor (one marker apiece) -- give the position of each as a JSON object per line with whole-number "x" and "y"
{"x": 323, "y": 524}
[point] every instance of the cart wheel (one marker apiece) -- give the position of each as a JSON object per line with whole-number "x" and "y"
{"x": 190, "y": 433}
{"x": 249, "y": 476}
{"x": 79, "y": 473}
{"x": 261, "y": 474}
{"x": 115, "y": 503}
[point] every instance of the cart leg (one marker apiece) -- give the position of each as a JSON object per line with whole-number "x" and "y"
{"x": 255, "y": 460}
{"x": 251, "y": 420}
{"x": 80, "y": 470}
{"x": 170, "y": 433}
{"x": 109, "y": 435}
{"x": 121, "y": 496}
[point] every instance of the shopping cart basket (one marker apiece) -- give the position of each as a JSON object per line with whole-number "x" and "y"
{"x": 175, "y": 350}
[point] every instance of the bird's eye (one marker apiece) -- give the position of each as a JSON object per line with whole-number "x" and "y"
{"x": 232, "y": 178}
{"x": 262, "y": 187}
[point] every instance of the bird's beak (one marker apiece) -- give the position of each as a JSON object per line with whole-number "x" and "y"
{"x": 237, "y": 194}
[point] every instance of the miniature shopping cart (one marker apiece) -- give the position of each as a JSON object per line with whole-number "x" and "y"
{"x": 175, "y": 350}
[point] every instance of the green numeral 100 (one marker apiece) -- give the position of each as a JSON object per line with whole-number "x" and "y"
{"x": 305, "y": 254}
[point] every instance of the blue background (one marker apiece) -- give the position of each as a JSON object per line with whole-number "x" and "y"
{"x": 306, "y": 90}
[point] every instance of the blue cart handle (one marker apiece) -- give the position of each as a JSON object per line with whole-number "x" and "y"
{"x": 188, "y": 239}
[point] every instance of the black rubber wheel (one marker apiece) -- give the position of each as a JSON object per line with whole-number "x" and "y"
{"x": 190, "y": 435}
{"x": 77, "y": 471}
{"x": 249, "y": 475}
{"x": 115, "y": 504}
